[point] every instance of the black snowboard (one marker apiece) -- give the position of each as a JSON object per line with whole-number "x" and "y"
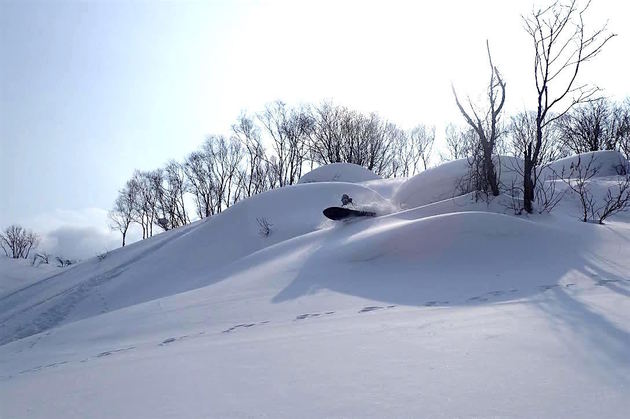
{"x": 340, "y": 213}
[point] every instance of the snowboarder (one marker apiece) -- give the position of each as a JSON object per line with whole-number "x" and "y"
{"x": 345, "y": 200}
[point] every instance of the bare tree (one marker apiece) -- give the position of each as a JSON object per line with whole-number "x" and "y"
{"x": 226, "y": 156}
{"x": 170, "y": 192}
{"x": 616, "y": 199}
{"x": 422, "y": 139}
{"x": 623, "y": 116}
{"x": 17, "y": 242}
{"x": 254, "y": 176}
{"x": 145, "y": 187}
{"x": 561, "y": 48}
{"x": 596, "y": 125}
{"x": 577, "y": 178}
{"x": 122, "y": 215}
{"x": 411, "y": 151}
{"x": 343, "y": 135}
{"x": 198, "y": 167}
{"x": 289, "y": 130}
{"x": 522, "y": 132}
{"x": 402, "y": 162}
{"x": 373, "y": 143}
{"x": 459, "y": 143}
{"x": 486, "y": 126}
{"x": 325, "y": 144}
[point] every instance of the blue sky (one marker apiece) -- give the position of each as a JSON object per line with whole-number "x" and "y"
{"x": 92, "y": 90}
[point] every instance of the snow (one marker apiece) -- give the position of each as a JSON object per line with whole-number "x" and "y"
{"x": 339, "y": 172}
{"x": 606, "y": 162}
{"x": 442, "y": 182}
{"x": 18, "y": 273}
{"x": 450, "y": 307}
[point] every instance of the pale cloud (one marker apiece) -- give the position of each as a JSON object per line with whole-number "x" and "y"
{"x": 76, "y": 234}
{"x": 78, "y": 242}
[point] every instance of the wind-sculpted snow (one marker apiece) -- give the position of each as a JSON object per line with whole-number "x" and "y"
{"x": 339, "y": 172}
{"x": 605, "y": 163}
{"x": 445, "y": 181}
{"x": 449, "y": 307}
{"x": 175, "y": 261}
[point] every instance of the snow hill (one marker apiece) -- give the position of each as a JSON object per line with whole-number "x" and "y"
{"x": 339, "y": 172}
{"x": 15, "y": 274}
{"x": 441, "y": 306}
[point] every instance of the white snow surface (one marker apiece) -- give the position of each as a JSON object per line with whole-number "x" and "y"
{"x": 442, "y": 182}
{"x": 339, "y": 172}
{"x": 19, "y": 273}
{"x": 451, "y": 308}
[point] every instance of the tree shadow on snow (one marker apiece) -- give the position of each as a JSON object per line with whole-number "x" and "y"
{"x": 435, "y": 279}
{"x": 602, "y": 344}
{"x": 554, "y": 275}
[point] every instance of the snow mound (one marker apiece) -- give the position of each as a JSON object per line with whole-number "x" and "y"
{"x": 176, "y": 261}
{"x": 450, "y": 298}
{"x": 442, "y": 182}
{"x": 607, "y": 163}
{"x": 339, "y": 172}
{"x": 439, "y": 240}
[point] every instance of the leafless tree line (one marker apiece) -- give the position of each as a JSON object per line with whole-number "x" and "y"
{"x": 266, "y": 150}
{"x": 17, "y": 242}
{"x": 569, "y": 117}
{"x": 272, "y": 148}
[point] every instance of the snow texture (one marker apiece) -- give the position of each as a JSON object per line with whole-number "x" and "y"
{"x": 450, "y": 307}
{"x": 339, "y": 172}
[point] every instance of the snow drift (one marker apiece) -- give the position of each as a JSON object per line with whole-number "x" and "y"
{"x": 339, "y": 172}
{"x": 394, "y": 315}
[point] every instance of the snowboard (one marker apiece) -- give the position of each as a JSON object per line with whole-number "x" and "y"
{"x": 341, "y": 213}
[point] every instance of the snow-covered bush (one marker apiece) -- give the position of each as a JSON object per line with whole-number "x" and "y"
{"x": 594, "y": 209}
{"x": 264, "y": 226}
{"x": 62, "y": 262}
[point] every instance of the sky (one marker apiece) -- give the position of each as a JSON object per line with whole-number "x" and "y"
{"x": 92, "y": 90}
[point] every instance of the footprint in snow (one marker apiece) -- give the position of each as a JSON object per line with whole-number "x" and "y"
{"x": 309, "y": 315}
{"x": 435, "y": 303}
{"x": 604, "y": 282}
{"x": 167, "y": 341}
{"x": 41, "y": 367}
{"x": 374, "y": 308}
{"x": 245, "y": 325}
{"x": 477, "y": 298}
{"x": 113, "y": 351}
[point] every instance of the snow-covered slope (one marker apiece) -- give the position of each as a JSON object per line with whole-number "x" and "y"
{"x": 448, "y": 309}
{"x": 339, "y": 172}
{"x": 443, "y": 182}
{"x": 173, "y": 262}
{"x": 19, "y": 273}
